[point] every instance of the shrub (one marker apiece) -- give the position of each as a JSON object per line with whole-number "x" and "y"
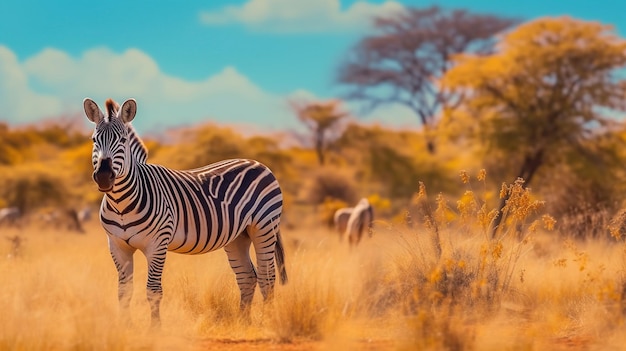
{"x": 30, "y": 188}
{"x": 327, "y": 184}
{"x": 454, "y": 258}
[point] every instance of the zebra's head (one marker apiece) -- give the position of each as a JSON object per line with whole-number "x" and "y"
{"x": 110, "y": 140}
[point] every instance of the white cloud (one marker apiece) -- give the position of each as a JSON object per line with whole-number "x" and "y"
{"x": 53, "y": 83}
{"x": 300, "y": 16}
{"x": 16, "y": 97}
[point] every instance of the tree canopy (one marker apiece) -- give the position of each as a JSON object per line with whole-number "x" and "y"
{"x": 322, "y": 119}
{"x": 553, "y": 85}
{"x": 403, "y": 59}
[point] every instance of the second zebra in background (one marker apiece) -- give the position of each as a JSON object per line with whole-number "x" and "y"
{"x": 352, "y": 222}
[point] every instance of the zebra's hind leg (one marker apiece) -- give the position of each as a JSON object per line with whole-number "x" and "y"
{"x": 238, "y": 252}
{"x": 264, "y": 241}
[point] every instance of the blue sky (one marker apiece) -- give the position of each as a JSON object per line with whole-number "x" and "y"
{"x": 187, "y": 62}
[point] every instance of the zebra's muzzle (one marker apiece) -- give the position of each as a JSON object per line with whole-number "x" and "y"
{"x": 104, "y": 175}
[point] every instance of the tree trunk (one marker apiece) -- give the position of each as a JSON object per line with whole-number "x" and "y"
{"x": 430, "y": 145}
{"x": 319, "y": 147}
{"x": 428, "y": 135}
{"x": 531, "y": 164}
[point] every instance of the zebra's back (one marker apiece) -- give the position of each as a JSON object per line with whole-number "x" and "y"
{"x": 233, "y": 195}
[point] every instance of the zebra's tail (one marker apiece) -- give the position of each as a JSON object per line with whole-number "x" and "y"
{"x": 279, "y": 252}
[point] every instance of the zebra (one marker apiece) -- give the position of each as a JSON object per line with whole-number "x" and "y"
{"x": 229, "y": 204}
{"x": 10, "y": 216}
{"x": 361, "y": 217}
{"x": 340, "y": 220}
{"x": 84, "y": 214}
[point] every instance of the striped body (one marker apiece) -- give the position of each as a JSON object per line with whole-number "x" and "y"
{"x": 230, "y": 204}
{"x": 206, "y": 207}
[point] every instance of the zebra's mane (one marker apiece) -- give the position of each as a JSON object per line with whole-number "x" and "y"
{"x": 137, "y": 147}
{"x": 111, "y": 107}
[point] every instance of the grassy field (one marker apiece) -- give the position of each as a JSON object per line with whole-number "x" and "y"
{"x": 59, "y": 292}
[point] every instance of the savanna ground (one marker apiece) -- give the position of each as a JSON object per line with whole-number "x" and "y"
{"x": 441, "y": 284}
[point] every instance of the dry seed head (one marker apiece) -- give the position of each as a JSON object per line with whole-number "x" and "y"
{"x": 441, "y": 210}
{"x": 615, "y": 232}
{"x": 532, "y": 228}
{"x": 536, "y": 205}
{"x": 465, "y": 178}
{"x": 617, "y": 225}
{"x": 482, "y": 174}
{"x": 493, "y": 214}
{"x": 503, "y": 191}
{"x": 428, "y": 223}
{"x": 496, "y": 251}
{"x": 422, "y": 191}
{"x": 467, "y": 204}
{"x": 548, "y": 222}
{"x": 483, "y": 216}
{"x": 408, "y": 220}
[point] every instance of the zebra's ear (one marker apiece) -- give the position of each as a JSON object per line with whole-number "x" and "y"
{"x": 128, "y": 110}
{"x": 92, "y": 111}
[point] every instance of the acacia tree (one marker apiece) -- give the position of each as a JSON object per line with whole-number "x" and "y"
{"x": 321, "y": 118}
{"x": 552, "y": 87}
{"x": 403, "y": 59}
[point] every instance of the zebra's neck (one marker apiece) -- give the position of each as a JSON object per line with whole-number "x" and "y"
{"x": 124, "y": 196}
{"x": 138, "y": 149}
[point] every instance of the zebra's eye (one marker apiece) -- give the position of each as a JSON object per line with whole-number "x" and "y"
{"x": 93, "y": 139}
{"x": 123, "y": 140}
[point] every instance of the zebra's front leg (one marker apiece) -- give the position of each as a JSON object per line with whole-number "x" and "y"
{"x": 122, "y": 255}
{"x": 238, "y": 253}
{"x": 154, "y": 290}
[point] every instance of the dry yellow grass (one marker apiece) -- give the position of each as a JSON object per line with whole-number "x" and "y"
{"x": 60, "y": 293}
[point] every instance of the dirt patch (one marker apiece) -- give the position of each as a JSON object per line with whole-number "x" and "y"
{"x": 268, "y": 344}
{"x": 575, "y": 342}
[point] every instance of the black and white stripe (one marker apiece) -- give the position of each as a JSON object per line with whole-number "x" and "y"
{"x": 230, "y": 204}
